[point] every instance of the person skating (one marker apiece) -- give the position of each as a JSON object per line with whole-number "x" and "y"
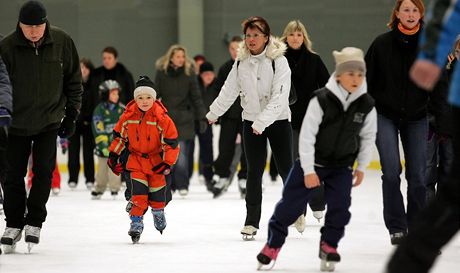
{"x": 151, "y": 137}
{"x": 43, "y": 66}
{"x": 342, "y": 113}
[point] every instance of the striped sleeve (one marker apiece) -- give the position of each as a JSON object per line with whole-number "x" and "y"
{"x": 120, "y": 136}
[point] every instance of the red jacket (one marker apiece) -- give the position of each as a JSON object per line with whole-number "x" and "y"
{"x": 151, "y": 137}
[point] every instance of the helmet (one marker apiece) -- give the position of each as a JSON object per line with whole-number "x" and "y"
{"x": 105, "y": 87}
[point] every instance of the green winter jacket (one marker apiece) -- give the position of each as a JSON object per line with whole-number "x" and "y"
{"x": 105, "y": 117}
{"x": 46, "y": 80}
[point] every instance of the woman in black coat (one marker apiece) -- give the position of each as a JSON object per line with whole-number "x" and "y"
{"x": 308, "y": 73}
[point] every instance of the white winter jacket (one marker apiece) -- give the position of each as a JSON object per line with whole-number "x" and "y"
{"x": 264, "y": 94}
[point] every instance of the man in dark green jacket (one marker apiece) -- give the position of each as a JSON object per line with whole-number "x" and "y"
{"x": 44, "y": 70}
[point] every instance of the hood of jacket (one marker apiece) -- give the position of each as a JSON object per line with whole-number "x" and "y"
{"x": 340, "y": 92}
{"x": 274, "y": 49}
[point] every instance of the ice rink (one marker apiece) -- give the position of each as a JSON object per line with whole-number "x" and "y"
{"x": 83, "y": 235}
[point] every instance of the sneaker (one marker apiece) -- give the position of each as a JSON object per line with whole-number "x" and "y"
{"x": 55, "y": 191}
{"x": 183, "y": 192}
{"x": 11, "y": 236}
{"x": 32, "y": 234}
{"x": 248, "y": 232}
{"x": 89, "y": 185}
{"x": 266, "y": 256}
{"x": 397, "y": 237}
{"x": 96, "y": 195}
{"x": 159, "y": 219}
{"x": 300, "y": 224}
{"x": 72, "y": 185}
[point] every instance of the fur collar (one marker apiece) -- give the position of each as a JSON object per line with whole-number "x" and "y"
{"x": 275, "y": 48}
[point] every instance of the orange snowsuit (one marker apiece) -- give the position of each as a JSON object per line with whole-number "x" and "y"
{"x": 151, "y": 138}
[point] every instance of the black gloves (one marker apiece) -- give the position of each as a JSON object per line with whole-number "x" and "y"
{"x": 5, "y": 117}
{"x": 114, "y": 164}
{"x": 68, "y": 126}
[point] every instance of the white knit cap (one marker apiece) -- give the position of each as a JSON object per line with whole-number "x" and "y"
{"x": 350, "y": 58}
{"x": 144, "y": 86}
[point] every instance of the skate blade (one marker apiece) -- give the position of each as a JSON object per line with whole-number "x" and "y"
{"x": 327, "y": 266}
{"x": 265, "y": 267}
{"x": 30, "y": 246}
{"x": 8, "y": 249}
{"x": 248, "y": 237}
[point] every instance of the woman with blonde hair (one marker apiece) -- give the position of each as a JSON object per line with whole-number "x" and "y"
{"x": 178, "y": 90}
{"x": 308, "y": 73}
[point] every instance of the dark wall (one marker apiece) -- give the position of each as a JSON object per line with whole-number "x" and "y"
{"x": 142, "y": 30}
{"x": 331, "y": 24}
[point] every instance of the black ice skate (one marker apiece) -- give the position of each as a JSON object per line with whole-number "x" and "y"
{"x": 248, "y": 233}
{"x": 329, "y": 257}
{"x": 267, "y": 257}
{"x": 32, "y": 235}
{"x": 136, "y": 228}
{"x": 159, "y": 219}
{"x": 9, "y": 239}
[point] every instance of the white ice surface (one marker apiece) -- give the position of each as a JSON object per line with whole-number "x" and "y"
{"x": 203, "y": 235}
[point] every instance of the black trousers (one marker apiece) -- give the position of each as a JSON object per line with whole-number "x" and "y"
{"x": 229, "y": 129}
{"x": 3, "y": 159}
{"x": 316, "y": 201}
{"x": 82, "y": 131}
{"x": 436, "y": 224}
{"x": 43, "y": 148}
{"x": 279, "y": 134}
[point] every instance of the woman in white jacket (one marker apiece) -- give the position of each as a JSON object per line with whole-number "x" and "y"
{"x": 262, "y": 78}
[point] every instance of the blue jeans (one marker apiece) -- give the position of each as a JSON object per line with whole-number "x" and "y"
{"x": 413, "y": 135}
{"x": 180, "y": 170}
{"x": 439, "y": 161}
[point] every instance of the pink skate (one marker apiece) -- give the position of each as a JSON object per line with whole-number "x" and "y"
{"x": 267, "y": 257}
{"x": 329, "y": 257}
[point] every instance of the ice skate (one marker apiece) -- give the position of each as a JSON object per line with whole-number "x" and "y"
{"x": 242, "y": 187}
{"x": 397, "y": 237}
{"x": 55, "y": 191}
{"x": 248, "y": 233}
{"x": 183, "y": 192}
{"x": 219, "y": 187}
{"x": 136, "y": 228}
{"x": 267, "y": 258}
{"x": 1, "y": 208}
{"x": 72, "y": 185}
{"x": 299, "y": 224}
{"x": 32, "y": 236}
{"x": 114, "y": 195}
{"x": 96, "y": 195}
{"x": 318, "y": 215}
{"x": 159, "y": 219}
{"x": 89, "y": 185}
{"x": 9, "y": 239}
{"x": 329, "y": 257}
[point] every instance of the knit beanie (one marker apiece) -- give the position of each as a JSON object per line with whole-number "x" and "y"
{"x": 206, "y": 66}
{"x": 350, "y": 58}
{"x": 144, "y": 86}
{"x": 32, "y": 13}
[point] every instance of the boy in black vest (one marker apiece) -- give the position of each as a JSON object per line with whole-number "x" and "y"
{"x": 339, "y": 127}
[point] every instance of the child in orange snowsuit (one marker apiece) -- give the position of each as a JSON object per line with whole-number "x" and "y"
{"x": 146, "y": 130}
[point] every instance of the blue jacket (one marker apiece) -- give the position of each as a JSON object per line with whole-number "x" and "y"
{"x": 439, "y": 36}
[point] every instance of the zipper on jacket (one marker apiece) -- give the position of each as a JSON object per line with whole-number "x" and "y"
{"x": 36, "y": 49}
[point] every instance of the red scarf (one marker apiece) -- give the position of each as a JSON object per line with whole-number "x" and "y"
{"x": 408, "y": 31}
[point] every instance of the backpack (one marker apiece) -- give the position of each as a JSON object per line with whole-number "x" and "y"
{"x": 292, "y": 91}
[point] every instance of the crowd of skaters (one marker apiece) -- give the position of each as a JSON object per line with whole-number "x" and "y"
{"x": 196, "y": 97}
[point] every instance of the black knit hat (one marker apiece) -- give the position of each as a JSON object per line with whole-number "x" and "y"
{"x": 32, "y": 13}
{"x": 206, "y": 66}
{"x": 145, "y": 86}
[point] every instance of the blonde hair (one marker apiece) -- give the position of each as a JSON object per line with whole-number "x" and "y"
{"x": 294, "y": 26}
{"x": 164, "y": 61}
{"x": 418, "y": 3}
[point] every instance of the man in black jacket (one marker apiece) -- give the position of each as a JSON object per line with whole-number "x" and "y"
{"x": 44, "y": 69}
